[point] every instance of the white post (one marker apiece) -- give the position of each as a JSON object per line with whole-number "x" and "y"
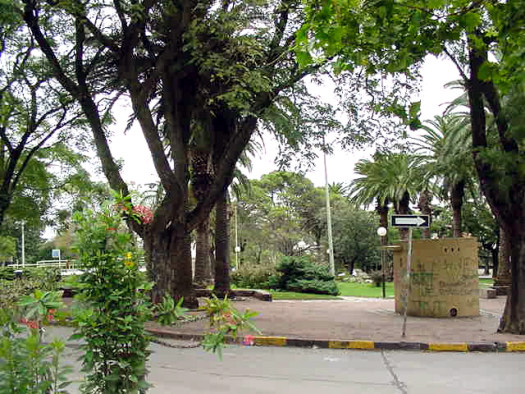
{"x": 407, "y": 278}
{"x": 328, "y": 218}
{"x": 23, "y": 246}
{"x": 236, "y": 237}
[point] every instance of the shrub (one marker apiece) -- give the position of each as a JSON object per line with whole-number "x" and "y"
{"x": 116, "y": 304}
{"x": 7, "y": 273}
{"x": 27, "y": 364}
{"x": 253, "y": 276}
{"x": 302, "y": 275}
{"x": 31, "y": 280}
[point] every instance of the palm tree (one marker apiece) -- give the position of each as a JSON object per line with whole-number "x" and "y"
{"x": 388, "y": 177}
{"x": 445, "y": 149}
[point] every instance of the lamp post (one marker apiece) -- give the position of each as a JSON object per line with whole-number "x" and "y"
{"x": 381, "y": 231}
{"x": 237, "y": 248}
{"x": 328, "y": 218}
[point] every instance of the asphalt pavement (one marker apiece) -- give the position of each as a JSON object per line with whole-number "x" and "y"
{"x": 296, "y": 370}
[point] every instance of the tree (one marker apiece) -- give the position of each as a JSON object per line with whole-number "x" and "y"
{"x": 446, "y": 151}
{"x": 389, "y": 177}
{"x": 485, "y": 41}
{"x": 356, "y": 244}
{"x": 34, "y": 117}
{"x": 182, "y": 66}
{"x": 281, "y": 212}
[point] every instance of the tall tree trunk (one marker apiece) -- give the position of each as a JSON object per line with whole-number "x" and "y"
{"x": 495, "y": 255}
{"x": 457, "y": 192}
{"x": 495, "y": 263}
{"x": 404, "y": 209}
{"x": 168, "y": 253}
{"x": 424, "y": 205}
{"x": 203, "y": 276}
{"x": 505, "y": 191}
{"x": 222, "y": 250}
{"x": 513, "y": 319}
{"x": 504, "y": 277}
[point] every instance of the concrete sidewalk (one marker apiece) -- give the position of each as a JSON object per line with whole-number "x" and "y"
{"x": 362, "y": 322}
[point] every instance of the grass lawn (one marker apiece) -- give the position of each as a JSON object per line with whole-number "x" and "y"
{"x": 290, "y": 295}
{"x": 486, "y": 282}
{"x": 364, "y": 289}
{"x": 353, "y": 290}
{"x": 345, "y": 289}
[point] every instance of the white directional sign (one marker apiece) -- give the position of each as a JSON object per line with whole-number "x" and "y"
{"x": 410, "y": 221}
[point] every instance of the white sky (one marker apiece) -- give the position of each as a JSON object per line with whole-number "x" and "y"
{"x": 138, "y": 167}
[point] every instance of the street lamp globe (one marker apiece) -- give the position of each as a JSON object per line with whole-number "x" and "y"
{"x": 381, "y": 231}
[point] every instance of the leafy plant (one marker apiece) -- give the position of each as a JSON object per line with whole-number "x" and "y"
{"x": 27, "y": 365}
{"x": 13, "y": 289}
{"x": 116, "y": 303}
{"x": 253, "y": 276}
{"x": 167, "y": 312}
{"x": 302, "y": 275}
{"x": 224, "y": 321}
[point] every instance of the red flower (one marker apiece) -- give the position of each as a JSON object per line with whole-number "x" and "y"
{"x": 249, "y": 340}
{"x": 32, "y": 324}
{"x": 111, "y": 229}
{"x": 144, "y": 213}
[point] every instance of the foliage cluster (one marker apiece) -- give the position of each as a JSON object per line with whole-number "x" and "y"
{"x": 302, "y": 275}
{"x": 224, "y": 321}
{"x": 27, "y": 364}
{"x": 31, "y": 280}
{"x": 253, "y": 276}
{"x": 116, "y": 304}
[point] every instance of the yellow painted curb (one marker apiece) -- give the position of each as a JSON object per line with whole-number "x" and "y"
{"x": 351, "y": 345}
{"x": 448, "y": 347}
{"x": 515, "y": 346}
{"x": 270, "y": 341}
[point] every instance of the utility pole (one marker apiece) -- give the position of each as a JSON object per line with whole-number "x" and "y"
{"x": 23, "y": 245}
{"x": 328, "y": 217}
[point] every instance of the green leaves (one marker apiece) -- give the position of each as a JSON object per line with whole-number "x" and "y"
{"x": 116, "y": 304}
{"x": 28, "y": 365}
{"x": 167, "y": 312}
{"x": 225, "y": 321}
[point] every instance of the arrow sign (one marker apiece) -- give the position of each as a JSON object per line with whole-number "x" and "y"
{"x": 410, "y": 221}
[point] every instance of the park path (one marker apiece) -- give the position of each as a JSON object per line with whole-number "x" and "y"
{"x": 374, "y": 319}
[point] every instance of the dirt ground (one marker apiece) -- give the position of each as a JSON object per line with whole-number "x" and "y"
{"x": 365, "y": 319}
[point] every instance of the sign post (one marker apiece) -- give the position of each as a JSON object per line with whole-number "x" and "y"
{"x": 55, "y": 253}
{"x": 409, "y": 221}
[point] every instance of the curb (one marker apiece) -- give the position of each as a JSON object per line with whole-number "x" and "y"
{"x": 257, "y": 340}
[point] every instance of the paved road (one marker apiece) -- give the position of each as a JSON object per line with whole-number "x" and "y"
{"x": 294, "y": 370}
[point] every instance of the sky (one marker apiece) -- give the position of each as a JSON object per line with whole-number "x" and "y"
{"x": 138, "y": 167}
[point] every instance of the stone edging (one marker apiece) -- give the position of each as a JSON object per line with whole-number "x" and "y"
{"x": 354, "y": 344}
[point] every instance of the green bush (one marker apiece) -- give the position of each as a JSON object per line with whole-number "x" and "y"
{"x": 300, "y": 274}
{"x": 32, "y": 279}
{"x": 7, "y": 273}
{"x": 49, "y": 277}
{"x": 253, "y": 276}
{"x": 28, "y": 365}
